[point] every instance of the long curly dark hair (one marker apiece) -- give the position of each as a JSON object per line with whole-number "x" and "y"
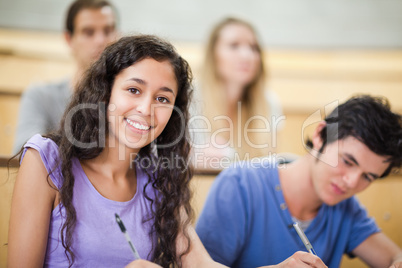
{"x": 84, "y": 128}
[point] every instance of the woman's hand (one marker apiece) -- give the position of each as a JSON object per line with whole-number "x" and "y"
{"x": 142, "y": 264}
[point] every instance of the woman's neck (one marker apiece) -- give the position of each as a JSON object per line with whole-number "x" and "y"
{"x": 112, "y": 174}
{"x": 233, "y": 95}
{"x": 117, "y": 161}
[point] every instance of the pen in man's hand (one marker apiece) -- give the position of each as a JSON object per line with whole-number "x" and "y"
{"x": 123, "y": 230}
{"x": 304, "y": 239}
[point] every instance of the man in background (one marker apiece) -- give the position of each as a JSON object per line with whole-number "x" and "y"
{"x": 90, "y": 26}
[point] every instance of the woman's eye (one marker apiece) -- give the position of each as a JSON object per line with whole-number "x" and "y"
{"x": 234, "y": 45}
{"x": 254, "y": 48}
{"x": 162, "y": 100}
{"x": 134, "y": 90}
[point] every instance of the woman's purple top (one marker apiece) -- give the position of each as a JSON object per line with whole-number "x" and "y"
{"x": 97, "y": 239}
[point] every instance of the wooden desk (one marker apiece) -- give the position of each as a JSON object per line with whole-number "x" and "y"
{"x": 380, "y": 199}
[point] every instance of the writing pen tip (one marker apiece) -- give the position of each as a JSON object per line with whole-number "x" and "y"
{"x": 120, "y": 223}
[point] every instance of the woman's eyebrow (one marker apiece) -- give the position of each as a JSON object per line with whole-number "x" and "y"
{"x": 143, "y": 82}
{"x": 138, "y": 80}
{"x": 166, "y": 89}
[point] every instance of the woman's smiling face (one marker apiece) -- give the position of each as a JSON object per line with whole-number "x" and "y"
{"x": 141, "y": 103}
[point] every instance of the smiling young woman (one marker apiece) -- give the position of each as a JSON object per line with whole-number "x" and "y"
{"x": 132, "y": 105}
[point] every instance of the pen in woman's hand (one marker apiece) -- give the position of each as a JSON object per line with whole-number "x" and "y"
{"x": 123, "y": 230}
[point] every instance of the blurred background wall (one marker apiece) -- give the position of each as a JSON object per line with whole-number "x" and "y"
{"x": 284, "y": 24}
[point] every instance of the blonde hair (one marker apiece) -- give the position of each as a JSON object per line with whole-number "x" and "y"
{"x": 253, "y": 102}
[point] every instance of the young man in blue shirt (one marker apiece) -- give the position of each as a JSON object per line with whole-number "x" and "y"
{"x": 248, "y": 217}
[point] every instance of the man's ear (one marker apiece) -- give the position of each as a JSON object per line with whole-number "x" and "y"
{"x": 68, "y": 37}
{"x": 316, "y": 137}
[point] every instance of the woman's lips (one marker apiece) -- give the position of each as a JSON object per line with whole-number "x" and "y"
{"x": 143, "y": 127}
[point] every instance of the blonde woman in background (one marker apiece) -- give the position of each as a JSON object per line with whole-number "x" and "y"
{"x": 242, "y": 114}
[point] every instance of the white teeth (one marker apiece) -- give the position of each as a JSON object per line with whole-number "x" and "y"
{"x": 137, "y": 125}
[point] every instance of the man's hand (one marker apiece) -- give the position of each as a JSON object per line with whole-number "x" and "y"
{"x": 301, "y": 259}
{"x": 396, "y": 265}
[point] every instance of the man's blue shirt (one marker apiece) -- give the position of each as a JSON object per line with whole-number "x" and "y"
{"x": 246, "y": 223}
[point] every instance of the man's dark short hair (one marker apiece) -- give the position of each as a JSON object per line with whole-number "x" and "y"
{"x": 370, "y": 120}
{"x": 79, "y": 5}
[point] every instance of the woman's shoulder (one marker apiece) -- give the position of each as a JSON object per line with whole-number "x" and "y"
{"x": 42, "y": 144}
{"x": 49, "y": 153}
